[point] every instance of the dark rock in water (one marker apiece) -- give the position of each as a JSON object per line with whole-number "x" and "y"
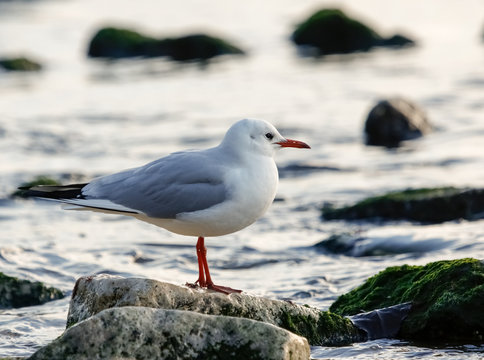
{"x": 119, "y": 43}
{"x": 39, "y": 180}
{"x": 199, "y": 47}
{"x": 357, "y": 245}
{"x": 124, "y": 43}
{"x": 434, "y": 205}
{"x": 342, "y": 243}
{"x": 19, "y": 64}
{"x": 331, "y": 31}
{"x": 447, "y": 299}
{"x": 397, "y": 40}
{"x": 304, "y": 169}
{"x": 15, "y": 293}
{"x": 94, "y": 294}
{"x": 145, "y": 333}
{"x": 382, "y": 323}
{"x": 395, "y": 120}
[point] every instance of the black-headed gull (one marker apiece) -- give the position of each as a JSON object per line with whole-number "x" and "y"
{"x": 201, "y": 193}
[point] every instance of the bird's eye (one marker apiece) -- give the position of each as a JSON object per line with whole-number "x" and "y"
{"x": 269, "y": 136}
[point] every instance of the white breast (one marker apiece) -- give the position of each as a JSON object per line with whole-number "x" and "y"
{"x": 251, "y": 190}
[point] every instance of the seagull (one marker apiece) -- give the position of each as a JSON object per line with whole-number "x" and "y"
{"x": 200, "y": 193}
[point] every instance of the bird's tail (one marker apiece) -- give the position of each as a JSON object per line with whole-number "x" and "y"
{"x": 73, "y": 199}
{"x": 57, "y": 192}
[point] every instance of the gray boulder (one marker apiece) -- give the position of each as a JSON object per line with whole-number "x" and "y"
{"x": 394, "y": 120}
{"x": 91, "y": 295}
{"x": 146, "y": 333}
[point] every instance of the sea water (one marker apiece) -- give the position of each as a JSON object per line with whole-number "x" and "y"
{"x": 80, "y": 118}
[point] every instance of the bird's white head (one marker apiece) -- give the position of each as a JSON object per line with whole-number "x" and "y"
{"x": 258, "y": 136}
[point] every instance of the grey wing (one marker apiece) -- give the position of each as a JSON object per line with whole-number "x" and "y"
{"x": 180, "y": 182}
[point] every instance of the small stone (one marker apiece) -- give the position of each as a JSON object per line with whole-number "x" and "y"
{"x": 19, "y": 64}
{"x": 394, "y": 120}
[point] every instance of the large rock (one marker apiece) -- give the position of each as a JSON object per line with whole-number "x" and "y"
{"x": 434, "y": 205}
{"x": 394, "y": 120}
{"x": 330, "y": 31}
{"x": 19, "y": 64}
{"x": 114, "y": 43}
{"x": 15, "y": 293}
{"x": 447, "y": 299}
{"x": 94, "y": 294}
{"x": 146, "y": 333}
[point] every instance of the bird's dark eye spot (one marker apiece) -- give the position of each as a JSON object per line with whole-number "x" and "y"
{"x": 269, "y": 136}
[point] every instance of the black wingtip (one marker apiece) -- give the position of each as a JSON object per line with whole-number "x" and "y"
{"x": 73, "y": 191}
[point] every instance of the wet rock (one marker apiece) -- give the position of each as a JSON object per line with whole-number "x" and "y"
{"x": 19, "y": 64}
{"x": 446, "y": 296}
{"x": 394, "y": 120}
{"x": 331, "y": 31}
{"x": 433, "y": 205}
{"x": 382, "y": 323}
{"x": 116, "y": 43}
{"x": 146, "y": 333}
{"x": 39, "y": 180}
{"x": 358, "y": 245}
{"x": 294, "y": 170}
{"x": 342, "y": 243}
{"x": 94, "y": 294}
{"x": 15, "y": 293}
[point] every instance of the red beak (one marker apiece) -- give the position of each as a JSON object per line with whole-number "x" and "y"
{"x": 294, "y": 144}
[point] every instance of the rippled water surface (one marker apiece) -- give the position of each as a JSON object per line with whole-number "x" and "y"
{"x": 81, "y": 118}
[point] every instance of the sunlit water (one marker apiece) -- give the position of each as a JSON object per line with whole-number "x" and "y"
{"x": 81, "y": 118}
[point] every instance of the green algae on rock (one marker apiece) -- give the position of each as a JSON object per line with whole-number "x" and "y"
{"x": 426, "y": 205}
{"x": 15, "y": 293}
{"x": 19, "y": 64}
{"x": 447, "y": 299}
{"x": 117, "y": 43}
{"x": 327, "y": 329}
{"x": 331, "y": 31}
{"x": 147, "y": 333}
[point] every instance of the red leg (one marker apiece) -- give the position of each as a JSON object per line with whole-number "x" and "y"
{"x": 204, "y": 278}
{"x": 200, "y": 255}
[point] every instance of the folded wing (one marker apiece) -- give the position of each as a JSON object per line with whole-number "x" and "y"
{"x": 181, "y": 182}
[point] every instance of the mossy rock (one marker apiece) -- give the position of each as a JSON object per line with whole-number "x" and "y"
{"x": 15, "y": 293}
{"x": 39, "y": 180}
{"x": 426, "y": 205}
{"x": 119, "y": 43}
{"x": 116, "y": 43}
{"x": 328, "y": 329}
{"x": 19, "y": 64}
{"x": 331, "y": 31}
{"x": 447, "y": 299}
{"x": 199, "y": 47}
